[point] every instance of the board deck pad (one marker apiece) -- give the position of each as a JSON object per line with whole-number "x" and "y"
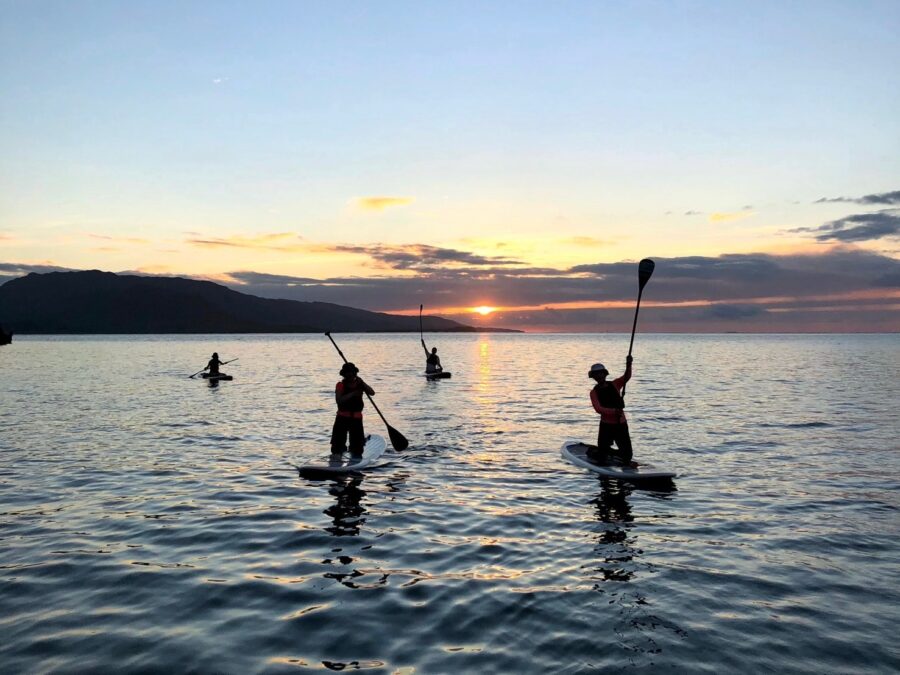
{"x": 575, "y": 452}
{"x": 337, "y": 464}
{"x": 443, "y": 375}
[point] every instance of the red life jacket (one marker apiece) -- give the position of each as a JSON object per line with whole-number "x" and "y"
{"x": 353, "y": 407}
{"x": 607, "y": 400}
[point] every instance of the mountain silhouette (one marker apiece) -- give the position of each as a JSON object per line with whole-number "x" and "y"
{"x": 93, "y": 302}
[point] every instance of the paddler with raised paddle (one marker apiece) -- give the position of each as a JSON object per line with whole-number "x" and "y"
{"x": 608, "y": 402}
{"x": 608, "y": 397}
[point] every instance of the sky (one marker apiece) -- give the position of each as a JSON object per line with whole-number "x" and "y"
{"x": 515, "y": 156}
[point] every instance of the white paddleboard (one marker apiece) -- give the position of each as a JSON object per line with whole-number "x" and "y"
{"x": 336, "y": 464}
{"x": 575, "y": 452}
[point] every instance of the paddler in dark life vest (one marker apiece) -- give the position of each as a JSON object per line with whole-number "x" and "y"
{"x": 432, "y": 360}
{"x": 349, "y": 420}
{"x": 214, "y": 363}
{"x": 606, "y": 397}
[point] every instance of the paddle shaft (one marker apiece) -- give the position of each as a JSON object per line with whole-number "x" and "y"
{"x": 421, "y": 332}
{"x": 634, "y": 325}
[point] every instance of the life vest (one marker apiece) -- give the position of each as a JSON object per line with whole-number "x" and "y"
{"x": 609, "y": 396}
{"x": 609, "y": 403}
{"x": 353, "y": 407}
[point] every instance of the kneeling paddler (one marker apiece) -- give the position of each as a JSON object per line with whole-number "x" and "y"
{"x": 606, "y": 397}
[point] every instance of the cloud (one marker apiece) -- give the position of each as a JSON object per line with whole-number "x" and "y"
{"x": 123, "y": 240}
{"x": 833, "y": 289}
{"x": 381, "y": 203}
{"x": 859, "y": 227}
{"x": 10, "y": 271}
{"x": 726, "y": 217}
{"x": 734, "y": 312}
{"x": 421, "y": 256}
{"x": 885, "y": 198}
{"x": 285, "y": 242}
{"x": 693, "y": 213}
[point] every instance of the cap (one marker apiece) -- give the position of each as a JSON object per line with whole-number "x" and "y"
{"x": 348, "y": 369}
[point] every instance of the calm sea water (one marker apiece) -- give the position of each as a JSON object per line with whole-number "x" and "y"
{"x": 154, "y": 523}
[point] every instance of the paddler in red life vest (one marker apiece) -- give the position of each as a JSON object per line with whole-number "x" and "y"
{"x": 606, "y": 397}
{"x": 349, "y": 420}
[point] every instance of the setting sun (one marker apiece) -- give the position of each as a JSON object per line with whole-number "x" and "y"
{"x": 483, "y": 310}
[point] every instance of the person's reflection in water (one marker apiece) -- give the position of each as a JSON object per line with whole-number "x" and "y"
{"x": 613, "y": 545}
{"x": 637, "y": 626}
{"x": 347, "y": 518}
{"x": 347, "y": 512}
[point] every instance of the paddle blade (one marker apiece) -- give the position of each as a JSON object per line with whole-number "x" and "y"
{"x": 645, "y": 271}
{"x": 398, "y": 440}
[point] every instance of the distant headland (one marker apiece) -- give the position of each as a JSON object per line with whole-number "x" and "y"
{"x": 95, "y": 302}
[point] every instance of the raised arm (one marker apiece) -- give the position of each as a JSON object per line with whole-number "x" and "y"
{"x": 424, "y": 347}
{"x": 627, "y": 375}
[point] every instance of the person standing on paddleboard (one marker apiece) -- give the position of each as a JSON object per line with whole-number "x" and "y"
{"x": 606, "y": 397}
{"x": 349, "y": 420}
{"x": 214, "y": 363}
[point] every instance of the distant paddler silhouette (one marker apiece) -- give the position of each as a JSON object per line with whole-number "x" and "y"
{"x": 213, "y": 367}
{"x": 433, "y": 368}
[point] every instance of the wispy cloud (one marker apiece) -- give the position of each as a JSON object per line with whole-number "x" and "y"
{"x": 285, "y": 242}
{"x": 381, "y": 203}
{"x": 421, "y": 256}
{"x": 693, "y": 213}
{"x": 883, "y": 224}
{"x": 881, "y": 198}
{"x": 725, "y": 217}
{"x": 121, "y": 240}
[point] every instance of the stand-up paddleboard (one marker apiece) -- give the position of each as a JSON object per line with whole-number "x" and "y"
{"x": 222, "y": 377}
{"x": 575, "y": 452}
{"x": 337, "y": 464}
{"x": 443, "y": 375}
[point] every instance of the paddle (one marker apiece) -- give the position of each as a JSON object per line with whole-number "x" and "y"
{"x": 645, "y": 271}
{"x": 200, "y": 371}
{"x": 421, "y": 333}
{"x": 398, "y": 440}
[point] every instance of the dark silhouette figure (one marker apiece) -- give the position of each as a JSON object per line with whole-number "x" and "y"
{"x": 5, "y": 338}
{"x": 606, "y": 397}
{"x": 214, "y": 363}
{"x": 348, "y": 394}
{"x": 432, "y": 360}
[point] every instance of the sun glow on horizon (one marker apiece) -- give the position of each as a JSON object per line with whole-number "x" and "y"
{"x": 484, "y": 310}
